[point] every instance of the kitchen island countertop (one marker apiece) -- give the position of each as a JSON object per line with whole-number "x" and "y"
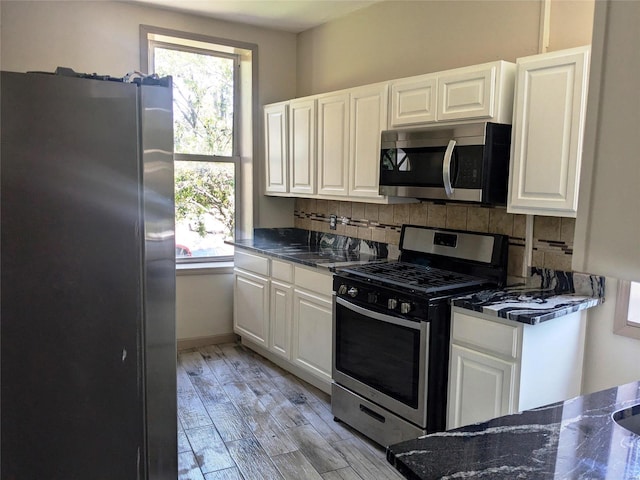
{"x": 574, "y": 439}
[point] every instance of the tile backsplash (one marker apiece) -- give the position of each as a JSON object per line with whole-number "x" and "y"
{"x": 553, "y": 236}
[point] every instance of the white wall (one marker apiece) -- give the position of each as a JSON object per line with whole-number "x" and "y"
{"x": 394, "y": 39}
{"x": 608, "y": 223}
{"x": 609, "y": 359}
{"x": 207, "y": 302}
{"x": 103, "y": 37}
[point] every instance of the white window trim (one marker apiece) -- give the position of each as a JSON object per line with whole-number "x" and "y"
{"x": 621, "y": 323}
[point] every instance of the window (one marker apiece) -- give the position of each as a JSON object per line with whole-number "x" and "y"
{"x": 627, "y": 317}
{"x": 206, "y": 91}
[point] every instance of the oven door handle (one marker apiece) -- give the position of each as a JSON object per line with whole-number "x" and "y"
{"x": 378, "y": 316}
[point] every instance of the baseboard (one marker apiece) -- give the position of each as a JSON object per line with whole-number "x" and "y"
{"x": 323, "y": 385}
{"x": 195, "y": 342}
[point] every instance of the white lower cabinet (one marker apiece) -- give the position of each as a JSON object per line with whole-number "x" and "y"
{"x": 498, "y": 367}
{"x": 482, "y": 387}
{"x": 251, "y": 306}
{"x": 280, "y": 319}
{"x": 284, "y": 312}
{"x": 312, "y": 323}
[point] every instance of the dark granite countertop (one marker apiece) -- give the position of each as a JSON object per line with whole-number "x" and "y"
{"x": 314, "y": 249}
{"x": 548, "y": 294}
{"x": 575, "y": 439}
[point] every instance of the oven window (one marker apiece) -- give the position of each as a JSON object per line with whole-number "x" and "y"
{"x": 382, "y": 355}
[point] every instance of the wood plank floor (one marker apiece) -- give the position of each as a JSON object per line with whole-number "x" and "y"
{"x": 242, "y": 417}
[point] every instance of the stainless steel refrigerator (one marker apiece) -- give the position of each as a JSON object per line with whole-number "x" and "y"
{"x": 88, "y": 348}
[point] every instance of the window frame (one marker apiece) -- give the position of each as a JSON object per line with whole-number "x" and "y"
{"x": 621, "y": 323}
{"x": 147, "y": 60}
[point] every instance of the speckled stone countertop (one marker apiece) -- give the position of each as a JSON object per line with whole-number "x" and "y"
{"x": 548, "y": 294}
{"x": 314, "y": 249}
{"x": 574, "y": 439}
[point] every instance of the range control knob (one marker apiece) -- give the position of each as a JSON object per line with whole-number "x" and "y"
{"x": 372, "y": 297}
{"x": 353, "y": 292}
{"x": 392, "y": 303}
{"x": 342, "y": 289}
{"x": 405, "y": 307}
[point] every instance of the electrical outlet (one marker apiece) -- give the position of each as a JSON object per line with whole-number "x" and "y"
{"x": 333, "y": 221}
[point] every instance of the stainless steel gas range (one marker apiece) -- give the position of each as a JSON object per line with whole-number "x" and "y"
{"x": 391, "y": 330}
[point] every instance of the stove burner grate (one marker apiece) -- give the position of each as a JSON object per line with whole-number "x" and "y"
{"x": 416, "y": 277}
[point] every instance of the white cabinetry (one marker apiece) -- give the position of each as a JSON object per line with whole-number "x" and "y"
{"x": 251, "y": 297}
{"x": 498, "y": 367}
{"x": 478, "y": 92}
{"x": 368, "y": 118}
{"x": 280, "y": 316}
{"x": 334, "y": 138}
{"x": 312, "y": 322}
{"x": 284, "y": 312}
{"x": 281, "y": 308}
{"x": 413, "y": 101}
{"x": 333, "y": 144}
{"x": 276, "y": 141}
{"x": 484, "y": 386}
{"x": 460, "y": 95}
{"x": 302, "y": 146}
{"x": 548, "y": 126}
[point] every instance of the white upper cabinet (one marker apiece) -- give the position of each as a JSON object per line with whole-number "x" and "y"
{"x": 334, "y": 138}
{"x": 276, "y": 142}
{"x": 466, "y": 94}
{"x": 333, "y": 144}
{"x": 548, "y": 125}
{"x": 368, "y": 118}
{"x": 302, "y": 146}
{"x": 413, "y": 101}
{"x": 479, "y": 92}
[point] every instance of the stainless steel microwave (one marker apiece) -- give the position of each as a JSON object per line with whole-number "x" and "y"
{"x": 466, "y": 163}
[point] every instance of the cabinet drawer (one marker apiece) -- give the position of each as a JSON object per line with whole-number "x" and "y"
{"x": 251, "y": 262}
{"x": 495, "y": 337}
{"x": 282, "y": 271}
{"x": 315, "y": 281}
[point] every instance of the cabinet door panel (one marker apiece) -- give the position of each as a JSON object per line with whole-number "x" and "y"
{"x": 312, "y": 329}
{"x": 333, "y": 144}
{"x": 413, "y": 101}
{"x": 466, "y": 95}
{"x": 481, "y": 387}
{"x": 368, "y": 117}
{"x": 251, "y": 306}
{"x": 547, "y": 134}
{"x": 276, "y": 140}
{"x": 280, "y": 318}
{"x": 302, "y": 146}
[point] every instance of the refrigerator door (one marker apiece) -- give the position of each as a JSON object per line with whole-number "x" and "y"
{"x": 73, "y": 330}
{"x": 156, "y": 111}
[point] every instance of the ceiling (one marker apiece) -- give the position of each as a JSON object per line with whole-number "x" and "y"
{"x": 289, "y": 15}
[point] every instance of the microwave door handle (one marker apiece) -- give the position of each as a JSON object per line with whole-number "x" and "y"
{"x": 446, "y": 168}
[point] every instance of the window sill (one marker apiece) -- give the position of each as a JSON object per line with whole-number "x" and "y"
{"x": 204, "y": 268}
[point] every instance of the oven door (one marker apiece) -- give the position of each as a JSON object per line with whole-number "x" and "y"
{"x": 383, "y": 358}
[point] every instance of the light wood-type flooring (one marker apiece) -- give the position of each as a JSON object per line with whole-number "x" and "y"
{"x": 242, "y": 417}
